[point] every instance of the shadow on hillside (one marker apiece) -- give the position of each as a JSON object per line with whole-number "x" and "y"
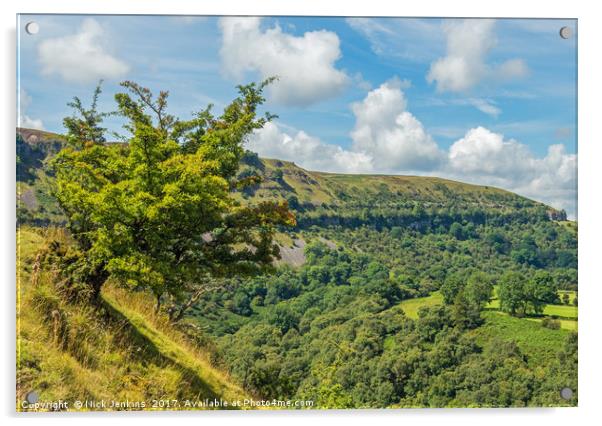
{"x": 199, "y": 389}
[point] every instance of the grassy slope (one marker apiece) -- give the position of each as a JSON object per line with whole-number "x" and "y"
{"x": 120, "y": 351}
{"x": 323, "y": 188}
{"x": 537, "y": 342}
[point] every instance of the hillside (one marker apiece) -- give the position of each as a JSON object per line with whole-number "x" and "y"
{"x": 318, "y": 198}
{"x": 35, "y": 204}
{"x": 330, "y": 189}
{"x": 121, "y": 351}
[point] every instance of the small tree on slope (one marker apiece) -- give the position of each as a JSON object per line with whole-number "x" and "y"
{"x": 158, "y": 212}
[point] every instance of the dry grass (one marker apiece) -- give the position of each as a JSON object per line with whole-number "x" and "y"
{"x": 119, "y": 350}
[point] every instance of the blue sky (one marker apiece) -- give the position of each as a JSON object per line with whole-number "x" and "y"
{"x": 483, "y": 101}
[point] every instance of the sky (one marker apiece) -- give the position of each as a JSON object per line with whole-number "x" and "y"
{"x": 484, "y": 101}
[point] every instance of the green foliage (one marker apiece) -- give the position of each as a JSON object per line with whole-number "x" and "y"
{"x": 335, "y": 331}
{"x": 540, "y": 291}
{"x": 84, "y": 127}
{"x": 540, "y": 344}
{"x": 479, "y": 289}
{"x": 519, "y": 295}
{"x": 158, "y": 212}
{"x": 451, "y": 287}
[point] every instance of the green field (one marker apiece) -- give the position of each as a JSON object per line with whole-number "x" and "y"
{"x": 566, "y": 314}
{"x": 411, "y": 306}
{"x": 539, "y": 343}
{"x": 566, "y": 324}
{"x": 561, "y": 311}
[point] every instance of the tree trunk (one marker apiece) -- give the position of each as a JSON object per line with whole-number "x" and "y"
{"x": 96, "y": 279}
{"x": 158, "y": 306}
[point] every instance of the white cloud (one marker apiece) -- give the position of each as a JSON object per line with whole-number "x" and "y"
{"x": 307, "y": 151}
{"x": 482, "y": 153}
{"x": 372, "y": 29}
{"x": 390, "y": 134}
{"x": 305, "y": 65}
{"x": 23, "y": 119}
{"x": 486, "y": 158}
{"x": 361, "y": 83}
{"x": 555, "y": 181}
{"x": 387, "y": 138}
{"x": 468, "y": 43}
{"x": 485, "y": 106}
{"x": 81, "y": 57}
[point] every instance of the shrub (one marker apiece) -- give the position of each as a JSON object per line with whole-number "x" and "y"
{"x": 550, "y": 323}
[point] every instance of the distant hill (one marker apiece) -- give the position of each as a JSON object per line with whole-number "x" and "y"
{"x": 319, "y": 198}
{"x": 35, "y": 204}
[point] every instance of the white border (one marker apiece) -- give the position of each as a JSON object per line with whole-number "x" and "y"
{"x": 590, "y": 216}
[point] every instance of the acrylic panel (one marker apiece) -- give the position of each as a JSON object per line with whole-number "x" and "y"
{"x": 295, "y": 212}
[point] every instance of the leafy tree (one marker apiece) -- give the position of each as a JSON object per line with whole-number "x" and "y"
{"x": 561, "y": 374}
{"x": 84, "y": 127}
{"x": 386, "y": 289}
{"x": 465, "y": 313}
{"x": 158, "y": 212}
{"x": 241, "y": 304}
{"x": 451, "y": 287}
{"x": 540, "y": 291}
{"x": 511, "y": 292}
{"x": 497, "y": 242}
{"x": 526, "y": 252}
{"x": 283, "y": 317}
{"x": 457, "y": 231}
{"x": 479, "y": 289}
{"x": 396, "y": 232}
{"x": 566, "y": 259}
{"x": 468, "y": 299}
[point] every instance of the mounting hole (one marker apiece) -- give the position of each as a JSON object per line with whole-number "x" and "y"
{"x": 566, "y": 393}
{"x": 32, "y": 397}
{"x": 566, "y": 32}
{"x": 32, "y": 28}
